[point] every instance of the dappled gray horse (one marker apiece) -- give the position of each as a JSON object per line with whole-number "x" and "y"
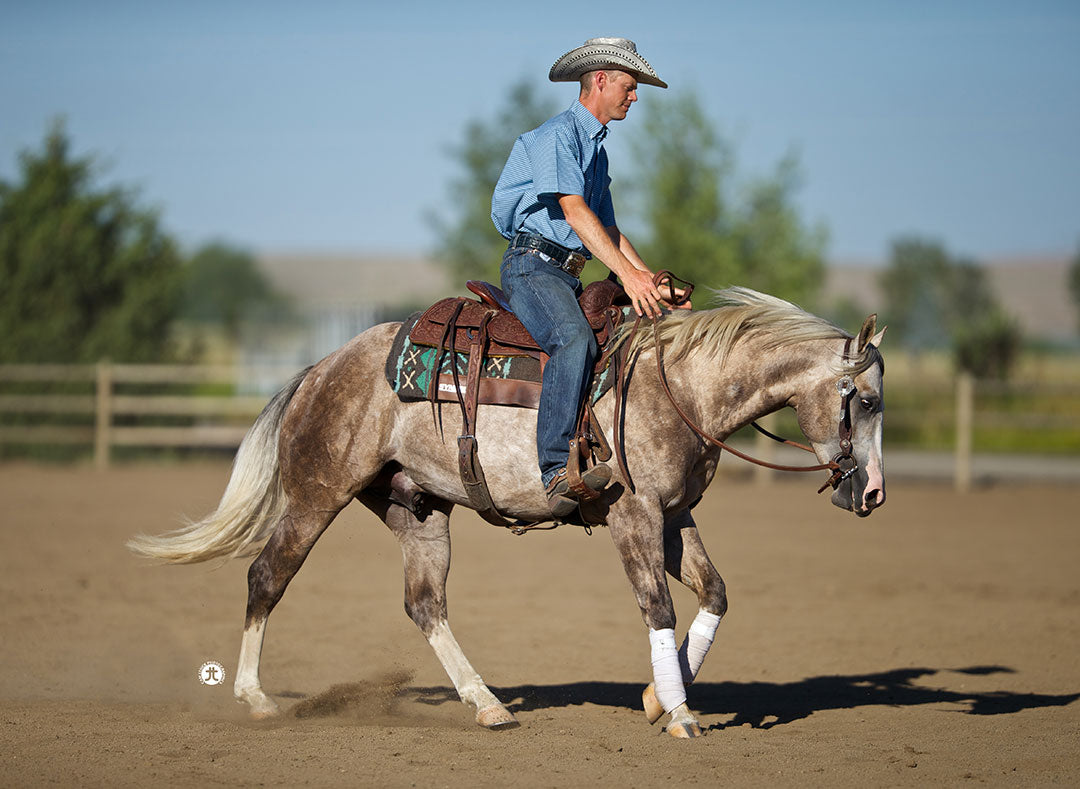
{"x": 337, "y": 432}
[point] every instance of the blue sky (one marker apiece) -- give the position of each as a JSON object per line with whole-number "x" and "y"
{"x": 325, "y": 126}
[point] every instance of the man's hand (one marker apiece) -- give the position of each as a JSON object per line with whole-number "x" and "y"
{"x": 676, "y": 298}
{"x": 643, "y": 293}
{"x": 614, "y": 250}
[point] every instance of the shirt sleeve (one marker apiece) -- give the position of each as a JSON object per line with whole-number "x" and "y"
{"x": 555, "y": 164}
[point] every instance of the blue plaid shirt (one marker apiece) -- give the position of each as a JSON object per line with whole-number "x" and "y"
{"x": 563, "y": 156}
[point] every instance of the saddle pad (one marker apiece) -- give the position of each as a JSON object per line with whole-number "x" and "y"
{"x": 504, "y": 380}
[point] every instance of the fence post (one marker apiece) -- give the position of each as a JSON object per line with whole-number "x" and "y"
{"x": 102, "y": 413}
{"x": 765, "y": 449}
{"x": 965, "y": 413}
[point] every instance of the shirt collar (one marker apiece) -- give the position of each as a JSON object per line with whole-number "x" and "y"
{"x": 593, "y": 129}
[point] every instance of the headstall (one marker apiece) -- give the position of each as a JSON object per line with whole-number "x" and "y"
{"x": 843, "y": 465}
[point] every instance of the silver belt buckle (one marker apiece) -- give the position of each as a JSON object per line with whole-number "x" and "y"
{"x": 575, "y": 263}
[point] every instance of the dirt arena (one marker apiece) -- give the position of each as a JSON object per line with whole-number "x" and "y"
{"x": 935, "y": 643}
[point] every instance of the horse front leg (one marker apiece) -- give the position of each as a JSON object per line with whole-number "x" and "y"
{"x": 640, "y": 542}
{"x": 685, "y": 559}
{"x": 425, "y": 548}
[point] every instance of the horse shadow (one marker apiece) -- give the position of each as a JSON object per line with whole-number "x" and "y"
{"x": 763, "y": 705}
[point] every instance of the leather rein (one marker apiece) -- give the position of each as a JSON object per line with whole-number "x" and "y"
{"x": 843, "y": 464}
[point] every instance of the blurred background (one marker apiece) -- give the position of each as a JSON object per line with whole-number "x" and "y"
{"x": 196, "y": 199}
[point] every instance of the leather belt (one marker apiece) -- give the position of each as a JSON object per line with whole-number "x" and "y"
{"x": 569, "y": 260}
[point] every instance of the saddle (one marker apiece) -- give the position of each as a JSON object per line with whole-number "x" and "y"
{"x": 600, "y": 301}
{"x": 487, "y": 327}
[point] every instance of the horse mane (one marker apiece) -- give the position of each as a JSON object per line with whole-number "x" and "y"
{"x": 741, "y": 312}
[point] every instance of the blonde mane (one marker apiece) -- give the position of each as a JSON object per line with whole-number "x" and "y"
{"x": 741, "y": 312}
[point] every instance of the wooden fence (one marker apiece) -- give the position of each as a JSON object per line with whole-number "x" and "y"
{"x": 105, "y": 406}
{"x": 96, "y": 410}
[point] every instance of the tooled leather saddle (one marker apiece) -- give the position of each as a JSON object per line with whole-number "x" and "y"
{"x": 487, "y": 327}
{"x": 601, "y": 302}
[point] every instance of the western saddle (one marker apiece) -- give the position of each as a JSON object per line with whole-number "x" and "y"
{"x": 487, "y": 327}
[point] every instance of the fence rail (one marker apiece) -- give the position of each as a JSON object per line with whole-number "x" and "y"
{"x": 105, "y": 406}
{"x": 101, "y": 409}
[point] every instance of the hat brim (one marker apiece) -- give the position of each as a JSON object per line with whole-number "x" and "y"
{"x": 593, "y": 57}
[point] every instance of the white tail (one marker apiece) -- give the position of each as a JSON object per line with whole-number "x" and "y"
{"x": 251, "y": 506}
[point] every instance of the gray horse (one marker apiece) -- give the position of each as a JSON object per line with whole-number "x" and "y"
{"x": 337, "y": 432}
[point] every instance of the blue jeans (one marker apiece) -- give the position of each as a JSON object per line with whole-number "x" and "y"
{"x": 545, "y": 300}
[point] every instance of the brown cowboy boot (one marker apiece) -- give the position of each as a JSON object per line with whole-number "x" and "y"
{"x": 562, "y": 500}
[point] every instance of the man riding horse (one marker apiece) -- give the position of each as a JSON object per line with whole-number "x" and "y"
{"x": 553, "y": 204}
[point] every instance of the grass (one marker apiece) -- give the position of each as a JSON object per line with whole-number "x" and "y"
{"x": 1036, "y": 411}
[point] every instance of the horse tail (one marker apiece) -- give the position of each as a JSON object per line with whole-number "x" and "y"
{"x": 251, "y": 506}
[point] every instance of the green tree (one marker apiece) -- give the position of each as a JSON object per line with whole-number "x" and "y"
{"x": 936, "y": 301}
{"x": 705, "y": 228}
{"x": 683, "y": 167}
{"x": 84, "y": 272}
{"x": 1074, "y": 284}
{"x": 224, "y": 286}
{"x": 469, "y": 243}
{"x": 916, "y": 285}
{"x": 987, "y": 346}
{"x": 777, "y": 253}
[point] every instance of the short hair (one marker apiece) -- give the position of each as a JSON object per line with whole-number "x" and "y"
{"x": 586, "y": 79}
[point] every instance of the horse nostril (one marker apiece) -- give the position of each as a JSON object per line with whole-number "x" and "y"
{"x": 874, "y": 498}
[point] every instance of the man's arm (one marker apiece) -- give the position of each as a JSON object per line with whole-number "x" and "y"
{"x": 624, "y": 245}
{"x": 618, "y": 255}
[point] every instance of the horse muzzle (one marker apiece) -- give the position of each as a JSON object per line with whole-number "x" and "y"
{"x": 859, "y": 493}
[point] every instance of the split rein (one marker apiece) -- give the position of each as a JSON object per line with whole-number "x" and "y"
{"x": 843, "y": 464}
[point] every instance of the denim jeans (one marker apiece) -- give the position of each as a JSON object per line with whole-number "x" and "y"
{"x": 545, "y": 300}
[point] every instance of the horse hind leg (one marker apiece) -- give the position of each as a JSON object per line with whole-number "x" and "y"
{"x": 686, "y": 560}
{"x": 423, "y": 532}
{"x": 268, "y": 577}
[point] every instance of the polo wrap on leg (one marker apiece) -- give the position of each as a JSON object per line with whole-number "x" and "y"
{"x": 667, "y": 676}
{"x": 696, "y": 646}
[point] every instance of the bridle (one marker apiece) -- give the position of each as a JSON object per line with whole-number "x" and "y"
{"x": 843, "y": 465}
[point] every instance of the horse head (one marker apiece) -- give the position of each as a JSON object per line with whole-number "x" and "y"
{"x": 842, "y": 416}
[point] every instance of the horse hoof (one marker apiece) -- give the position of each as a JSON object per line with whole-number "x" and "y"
{"x": 497, "y": 718}
{"x": 260, "y": 706}
{"x": 653, "y": 710}
{"x": 684, "y": 731}
{"x": 263, "y": 709}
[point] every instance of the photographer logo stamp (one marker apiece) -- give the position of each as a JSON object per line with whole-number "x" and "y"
{"x": 211, "y": 673}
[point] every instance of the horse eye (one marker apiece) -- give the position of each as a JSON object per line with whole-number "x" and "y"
{"x": 868, "y": 405}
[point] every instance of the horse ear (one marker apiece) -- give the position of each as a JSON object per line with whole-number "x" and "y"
{"x": 866, "y": 332}
{"x": 877, "y": 338}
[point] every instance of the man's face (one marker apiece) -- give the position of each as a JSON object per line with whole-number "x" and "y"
{"x": 618, "y": 92}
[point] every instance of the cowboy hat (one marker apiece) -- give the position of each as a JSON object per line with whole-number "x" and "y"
{"x": 604, "y": 53}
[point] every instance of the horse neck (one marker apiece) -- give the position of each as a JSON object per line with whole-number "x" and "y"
{"x": 752, "y": 381}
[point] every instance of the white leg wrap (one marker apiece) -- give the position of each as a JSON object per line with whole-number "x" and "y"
{"x": 696, "y": 646}
{"x": 468, "y": 684}
{"x": 667, "y": 676}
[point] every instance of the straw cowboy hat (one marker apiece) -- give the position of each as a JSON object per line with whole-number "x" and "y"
{"x": 604, "y": 53}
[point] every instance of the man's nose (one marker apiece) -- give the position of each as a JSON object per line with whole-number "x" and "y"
{"x": 633, "y": 95}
